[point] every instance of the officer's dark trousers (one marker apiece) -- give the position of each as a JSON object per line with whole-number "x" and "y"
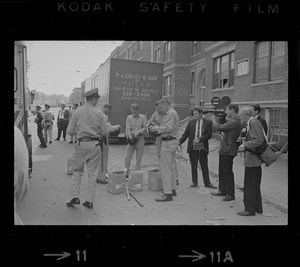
{"x": 252, "y": 194}
{"x": 40, "y": 134}
{"x": 62, "y": 126}
{"x": 226, "y": 176}
{"x": 195, "y": 156}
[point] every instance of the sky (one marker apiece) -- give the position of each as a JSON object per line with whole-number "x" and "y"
{"x": 54, "y": 65}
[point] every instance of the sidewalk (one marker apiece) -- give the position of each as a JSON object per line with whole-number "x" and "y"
{"x": 274, "y": 184}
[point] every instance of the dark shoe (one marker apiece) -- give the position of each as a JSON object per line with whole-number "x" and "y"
{"x": 210, "y": 185}
{"x": 50, "y": 142}
{"x": 177, "y": 182}
{"x": 101, "y": 182}
{"x": 194, "y": 185}
{"x": 73, "y": 201}
{"x": 259, "y": 211}
{"x": 65, "y": 139}
{"x": 71, "y": 142}
{"x": 165, "y": 197}
{"x": 246, "y": 213}
{"x": 218, "y": 193}
{"x": 229, "y": 198}
{"x": 57, "y": 139}
{"x": 174, "y": 194}
{"x": 88, "y": 204}
{"x": 41, "y": 146}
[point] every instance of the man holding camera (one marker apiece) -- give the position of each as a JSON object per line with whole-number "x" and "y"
{"x": 228, "y": 150}
{"x": 199, "y": 131}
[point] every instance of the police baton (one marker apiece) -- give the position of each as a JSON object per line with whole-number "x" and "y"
{"x": 136, "y": 200}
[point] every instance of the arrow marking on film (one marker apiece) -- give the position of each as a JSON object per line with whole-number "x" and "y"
{"x": 197, "y": 257}
{"x": 61, "y": 256}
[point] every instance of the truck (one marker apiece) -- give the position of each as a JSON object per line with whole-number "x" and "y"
{"x": 121, "y": 82}
{"x": 23, "y": 97}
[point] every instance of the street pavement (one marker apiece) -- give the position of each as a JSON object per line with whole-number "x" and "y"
{"x": 45, "y": 203}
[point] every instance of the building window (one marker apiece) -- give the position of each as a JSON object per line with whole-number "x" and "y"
{"x": 167, "y": 51}
{"x": 167, "y": 85}
{"x": 196, "y": 47}
{"x": 274, "y": 123}
{"x": 95, "y": 82}
{"x": 269, "y": 61}
{"x": 157, "y": 55}
{"x": 193, "y": 83}
{"x": 224, "y": 71}
{"x": 274, "y": 118}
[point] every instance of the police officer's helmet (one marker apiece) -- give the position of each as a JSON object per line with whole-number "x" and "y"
{"x": 154, "y": 133}
{"x": 115, "y": 132}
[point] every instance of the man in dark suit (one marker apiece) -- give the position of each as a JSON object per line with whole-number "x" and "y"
{"x": 198, "y": 130}
{"x": 255, "y": 114}
{"x": 62, "y": 122}
{"x": 228, "y": 151}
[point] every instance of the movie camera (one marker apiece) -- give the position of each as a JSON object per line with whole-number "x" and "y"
{"x": 219, "y": 108}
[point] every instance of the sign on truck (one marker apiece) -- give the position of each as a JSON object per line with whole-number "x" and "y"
{"x": 123, "y": 82}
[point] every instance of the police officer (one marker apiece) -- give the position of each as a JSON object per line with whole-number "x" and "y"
{"x": 39, "y": 120}
{"x": 88, "y": 124}
{"x": 169, "y": 131}
{"x": 111, "y": 129}
{"x": 156, "y": 119}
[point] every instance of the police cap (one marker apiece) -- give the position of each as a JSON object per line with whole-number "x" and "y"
{"x": 93, "y": 92}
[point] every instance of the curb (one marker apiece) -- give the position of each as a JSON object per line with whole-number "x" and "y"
{"x": 265, "y": 200}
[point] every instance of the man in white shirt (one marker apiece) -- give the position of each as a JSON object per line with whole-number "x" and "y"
{"x": 49, "y": 117}
{"x": 136, "y": 126}
{"x": 198, "y": 131}
{"x": 62, "y": 122}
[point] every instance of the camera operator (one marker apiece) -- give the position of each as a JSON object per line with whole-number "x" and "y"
{"x": 228, "y": 151}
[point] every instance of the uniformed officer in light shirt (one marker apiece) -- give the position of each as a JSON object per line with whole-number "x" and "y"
{"x": 169, "y": 144}
{"x": 89, "y": 125}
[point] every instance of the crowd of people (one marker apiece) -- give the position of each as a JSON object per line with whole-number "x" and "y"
{"x": 164, "y": 125}
{"x": 91, "y": 129}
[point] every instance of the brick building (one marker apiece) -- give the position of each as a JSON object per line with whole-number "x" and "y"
{"x": 196, "y": 71}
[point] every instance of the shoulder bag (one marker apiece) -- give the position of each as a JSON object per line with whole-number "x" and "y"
{"x": 268, "y": 156}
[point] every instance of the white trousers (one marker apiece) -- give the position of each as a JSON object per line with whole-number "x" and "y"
{"x": 167, "y": 161}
